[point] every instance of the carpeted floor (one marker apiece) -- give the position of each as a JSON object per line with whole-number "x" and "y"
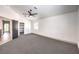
{"x": 36, "y": 44}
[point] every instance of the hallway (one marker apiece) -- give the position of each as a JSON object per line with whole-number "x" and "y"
{"x": 36, "y": 44}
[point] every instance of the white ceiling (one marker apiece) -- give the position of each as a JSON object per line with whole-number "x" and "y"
{"x": 45, "y": 10}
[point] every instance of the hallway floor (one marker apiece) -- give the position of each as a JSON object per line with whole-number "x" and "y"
{"x": 36, "y": 44}
{"x": 5, "y": 38}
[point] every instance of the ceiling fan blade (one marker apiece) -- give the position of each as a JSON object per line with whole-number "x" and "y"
{"x": 34, "y": 14}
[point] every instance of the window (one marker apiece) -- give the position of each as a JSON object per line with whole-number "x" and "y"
{"x": 36, "y": 26}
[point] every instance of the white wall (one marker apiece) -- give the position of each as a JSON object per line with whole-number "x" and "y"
{"x": 62, "y": 27}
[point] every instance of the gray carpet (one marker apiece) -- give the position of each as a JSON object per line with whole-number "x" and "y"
{"x": 36, "y": 44}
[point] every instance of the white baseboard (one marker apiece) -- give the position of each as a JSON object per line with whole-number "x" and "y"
{"x": 55, "y": 38}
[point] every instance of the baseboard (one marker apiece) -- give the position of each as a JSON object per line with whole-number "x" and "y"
{"x": 55, "y": 38}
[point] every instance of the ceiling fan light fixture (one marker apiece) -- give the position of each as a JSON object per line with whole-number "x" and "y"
{"x": 35, "y": 7}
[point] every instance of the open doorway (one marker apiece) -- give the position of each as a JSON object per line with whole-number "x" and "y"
{"x": 6, "y": 32}
{"x": 21, "y": 28}
{"x": 15, "y": 29}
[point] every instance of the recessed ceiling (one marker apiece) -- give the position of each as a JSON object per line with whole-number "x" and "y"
{"x": 45, "y": 10}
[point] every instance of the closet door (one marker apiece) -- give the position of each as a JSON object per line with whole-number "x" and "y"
{"x": 15, "y": 28}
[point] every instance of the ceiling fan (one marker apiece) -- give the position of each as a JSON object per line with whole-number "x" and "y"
{"x": 30, "y": 13}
